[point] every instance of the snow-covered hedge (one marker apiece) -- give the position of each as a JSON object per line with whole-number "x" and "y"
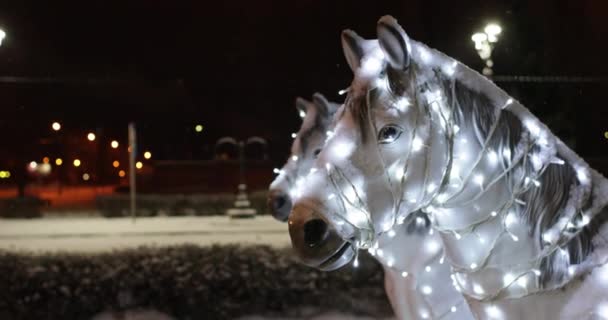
{"x": 187, "y": 282}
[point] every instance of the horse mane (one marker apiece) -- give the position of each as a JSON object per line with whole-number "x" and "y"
{"x": 544, "y": 205}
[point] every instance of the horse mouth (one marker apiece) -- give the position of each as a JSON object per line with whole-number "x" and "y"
{"x": 338, "y": 259}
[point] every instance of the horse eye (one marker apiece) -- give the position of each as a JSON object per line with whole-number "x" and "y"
{"x": 389, "y": 134}
{"x": 316, "y": 152}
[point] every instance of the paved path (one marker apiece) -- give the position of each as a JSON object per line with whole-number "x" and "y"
{"x": 93, "y": 234}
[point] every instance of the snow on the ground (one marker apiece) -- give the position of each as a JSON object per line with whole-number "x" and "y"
{"x": 154, "y": 315}
{"x": 91, "y": 234}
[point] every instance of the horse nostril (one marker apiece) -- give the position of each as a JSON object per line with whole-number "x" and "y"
{"x": 315, "y": 232}
{"x": 279, "y": 201}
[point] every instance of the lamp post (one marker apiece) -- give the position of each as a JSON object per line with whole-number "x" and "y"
{"x": 242, "y": 206}
{"x": 484, "y": 44}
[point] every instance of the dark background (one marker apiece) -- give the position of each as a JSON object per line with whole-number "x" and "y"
{"x": 236, "y": 67}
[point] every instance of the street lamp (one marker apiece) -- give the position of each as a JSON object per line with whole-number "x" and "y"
{"x": 2, "y": 36}
{"x": 484, "y": 44}
{"x": 242, "y": 206}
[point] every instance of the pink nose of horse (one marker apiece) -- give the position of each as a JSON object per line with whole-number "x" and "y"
{"x": 279, "y": 204}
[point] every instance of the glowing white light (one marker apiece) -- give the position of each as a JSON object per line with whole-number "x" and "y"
{"x": 427, "y": 290}
{"x": 536, "y": 272}
{"x": 424, "y": 314}
{"x": 492, "y": 157}
{"x": 508, "y": 279}
{"x": 391, "y": 233}
{"x": 478, "y": 178}
{"x": 478, "y": 289}
{"x": 582, "y": 176}
{"x": 571, "y": 270}
{"x": 294, "y": 135}
{"x": 493, "y": 29}
{"x": 584, "y": 220}
{"x": 431, "y": 187}
{"x": 356, "y": 262}
{"x": 401, "y": 220}
{"x": 514, "y": 237}
{"x": 329, "y": 134}
{"x": 479, "y": 37}
{"x": 441, "y": 198}
{"x": 432, "y": 245}
{"x": 453, "y": 309}
{"x": 506, "y": 152}
{"x": 442, "y": 259}
{"x": 331, "y": 196}
{"x": 276, "y": 170}
{"x": 427, "y": 268}
{"x": 343, "y": 91}
{"x": 313, "y": 170}
{"x": 548, "y": 237}
{"x": 328, "y": 166}
{"x": 425, "y": 56}
{"x": 508, "y": 103}
{"x": 294, "y": 158}
{"x": 473, "y": 265}
{"x": 533, "y": 127}
{"x": 558, "y": 161}
{"x": 450, "y": 69}
{"x": 370, "y": 66}
{"x": 482, "y": 240}
{"x": 33, "y": 164}
{"x": 302, "y": 114}
{"x": 510, "y": 219}
{"x": 417, "y": 144}
{"x": 493, "y": 312}
{"x": 493, "y": 213}
{"x": 536, "y": 182}
{"x": 522, "y": 281}
{"x": 402, "y": 104}
{"x": 399, "y": 173}
{"x": 342, "y": 149}
{"x": 419, "y": 221}
{"x": 457, "y": 235}
{"x": 380, "y": 253}
{"x": 390, "y": 262}
{"x": 456, "y": 128}
{"x": 404, "y": 274}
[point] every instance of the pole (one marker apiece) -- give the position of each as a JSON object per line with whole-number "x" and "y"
{"x": 132, "y": 153}
{"x": 242, "y": 162}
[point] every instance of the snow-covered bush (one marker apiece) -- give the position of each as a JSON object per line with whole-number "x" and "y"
{"x": 186, "y": 282}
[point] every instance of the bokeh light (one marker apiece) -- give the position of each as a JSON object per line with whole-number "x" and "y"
{"x": 91, "y": 136}
{"x": 76, "y": 162}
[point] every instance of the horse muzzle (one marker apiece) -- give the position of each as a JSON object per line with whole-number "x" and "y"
{"x": 316, "y": 241}
{"x": 279, "y": 204}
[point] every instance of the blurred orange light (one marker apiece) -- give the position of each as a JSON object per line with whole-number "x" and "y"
{"x": 121, "y": 173}
{"x": 115, "y": 163}
{"x": 45, "y": 159}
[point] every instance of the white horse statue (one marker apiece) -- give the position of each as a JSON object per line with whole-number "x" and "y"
{"x": 522, "y": 218}
{"x": 425, "y": 289}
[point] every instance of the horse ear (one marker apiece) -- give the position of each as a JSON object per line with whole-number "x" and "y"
{"x": 394, "y": 42}
{"x": 302, "y": 105}
{"x": 321, "y": 103}
{"x": 352, "y": 45}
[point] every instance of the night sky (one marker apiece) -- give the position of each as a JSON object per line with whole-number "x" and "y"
{"x": 237, "y": 66}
